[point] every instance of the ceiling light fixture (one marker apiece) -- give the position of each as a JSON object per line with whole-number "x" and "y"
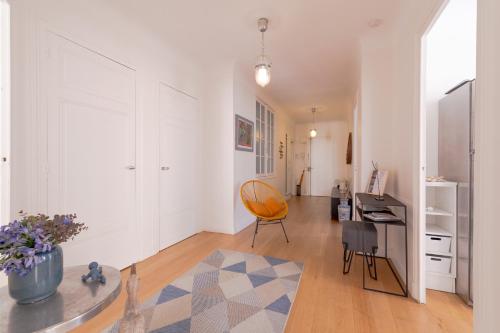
{"x": 263, "y": 67}
{"x": 313, "y": 132}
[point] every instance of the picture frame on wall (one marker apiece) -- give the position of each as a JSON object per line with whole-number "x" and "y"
{"x": 244, "y": 134}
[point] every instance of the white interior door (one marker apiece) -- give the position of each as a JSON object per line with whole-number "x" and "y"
{"x": 323, "y": 154}
{"x": 91, "y": 151}
{"x": 301, "y": 165}
{"x": 179, "y": 166}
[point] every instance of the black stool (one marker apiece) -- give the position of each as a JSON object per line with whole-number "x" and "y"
{"x": 360, "y": 237}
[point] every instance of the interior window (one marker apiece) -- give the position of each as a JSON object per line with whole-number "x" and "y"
{"x": 264, "y": 134}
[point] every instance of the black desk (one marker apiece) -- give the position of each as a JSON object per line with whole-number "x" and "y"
{"x": 363, "y": 202}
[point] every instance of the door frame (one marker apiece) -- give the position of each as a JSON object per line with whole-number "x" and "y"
{"x": 5, "y": 112}
{"x": 4, "y": 117}
{"x": 420, "y": 154}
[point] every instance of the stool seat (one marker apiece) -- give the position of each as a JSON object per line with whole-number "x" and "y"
{"x": 359, "y": 236}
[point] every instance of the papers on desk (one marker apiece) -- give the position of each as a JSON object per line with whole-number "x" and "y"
{"x": 369, "y": 208}
{"x": 374, "y": 216}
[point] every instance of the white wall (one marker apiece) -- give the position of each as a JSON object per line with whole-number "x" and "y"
{"x": 218, "y": 149}
{"x": 450, "y": 59}
{"x": 487, "y": 228}
{"x": 376, "y": 124}
{"x": 356, "y": 146}
{"x": 94, "y": 25}
{"x": 244, "y": 162}
{"x": 389, "y": 116}
{"x": 284, "y": 125}
{"x": 376, "y": 93}
{"x": 245, "y": 94}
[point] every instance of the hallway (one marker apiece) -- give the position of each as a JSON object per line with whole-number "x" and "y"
{"x": 327, "y": 300}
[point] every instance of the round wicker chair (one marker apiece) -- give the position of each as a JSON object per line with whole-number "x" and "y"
{"x": 264, "y": 202}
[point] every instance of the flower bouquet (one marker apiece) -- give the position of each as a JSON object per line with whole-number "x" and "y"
{"x": 30, "y": 254}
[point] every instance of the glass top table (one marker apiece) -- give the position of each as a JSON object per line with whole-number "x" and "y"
{"x": 74, "y": 303}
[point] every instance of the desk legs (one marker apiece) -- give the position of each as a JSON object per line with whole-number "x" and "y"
{"x": 404, "y": 288}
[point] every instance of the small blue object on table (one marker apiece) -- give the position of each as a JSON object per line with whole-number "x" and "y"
{"x": 73, "y": 304}
{"x": 94, "y": 274}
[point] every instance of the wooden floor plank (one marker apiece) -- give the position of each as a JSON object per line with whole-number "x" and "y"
{"x": 327, "y": 300}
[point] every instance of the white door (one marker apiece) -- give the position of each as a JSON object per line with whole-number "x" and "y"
{"x": 323, "y": 165}
{"x": 91, "y": 151}
{"x": 301, "y": 165}
{"x": 180, "y": 182}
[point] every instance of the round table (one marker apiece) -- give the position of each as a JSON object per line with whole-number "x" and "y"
{"x": 74, "y": 303}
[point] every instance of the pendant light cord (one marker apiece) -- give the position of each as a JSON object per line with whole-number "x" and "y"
{"x": 262, "y": 42}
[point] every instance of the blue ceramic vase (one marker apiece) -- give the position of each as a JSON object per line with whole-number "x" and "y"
{"x": 41, "y": 282}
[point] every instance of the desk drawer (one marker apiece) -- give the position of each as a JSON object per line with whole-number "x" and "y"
{"x": 438, "y": 243}
{"x": 438, "y": 264}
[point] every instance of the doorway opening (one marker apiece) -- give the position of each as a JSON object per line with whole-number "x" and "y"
{"x": 448, "y": 70}
{"x": 321, "y": 159}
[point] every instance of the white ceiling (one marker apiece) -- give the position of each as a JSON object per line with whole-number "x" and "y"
{"x": 312, "y": 43}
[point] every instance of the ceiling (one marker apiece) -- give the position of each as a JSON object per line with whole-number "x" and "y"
{"x": 312, "y": 43}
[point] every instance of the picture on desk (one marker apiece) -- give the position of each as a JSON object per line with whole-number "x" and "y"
{"x": 377, "y": 181}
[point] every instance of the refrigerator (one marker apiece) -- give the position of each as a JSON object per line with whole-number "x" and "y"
{"x": 456, "y": 163}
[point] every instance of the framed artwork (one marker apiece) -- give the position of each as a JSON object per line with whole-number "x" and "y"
{"x": 244, "y": 130}
{"x": 377, "y": 181}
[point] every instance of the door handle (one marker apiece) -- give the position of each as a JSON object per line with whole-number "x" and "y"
{"x": 131, "y": 167}
{"x": 165, "y": 168}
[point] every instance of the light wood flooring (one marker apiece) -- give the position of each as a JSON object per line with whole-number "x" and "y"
{"x": 327, "y": 300}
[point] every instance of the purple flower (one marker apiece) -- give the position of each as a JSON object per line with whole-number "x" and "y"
{"x": 22, "y": 240}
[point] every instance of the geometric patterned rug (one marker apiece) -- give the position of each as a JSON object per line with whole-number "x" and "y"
{"x": 228, "y": 291}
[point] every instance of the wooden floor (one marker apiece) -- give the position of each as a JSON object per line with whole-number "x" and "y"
{"x": 327, "y": 300}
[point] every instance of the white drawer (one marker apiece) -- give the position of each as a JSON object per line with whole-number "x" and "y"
{"x": 440, "y": 282}
{"x": 438, "y": 264}
{"x": 438, "y": 243}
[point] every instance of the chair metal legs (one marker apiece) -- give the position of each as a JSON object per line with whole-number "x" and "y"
{"x": 283, "y": 227}
{"x": 256, "y": 230}
{"x": 257, "y": 223}
{"x": 370, "y": 261}
{"x": 347, "y": 260}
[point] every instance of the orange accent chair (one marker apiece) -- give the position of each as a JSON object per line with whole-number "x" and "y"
{"x": 264, "y": 202}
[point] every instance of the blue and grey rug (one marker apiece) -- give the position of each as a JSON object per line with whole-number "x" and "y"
{"x": 227, "y": 292}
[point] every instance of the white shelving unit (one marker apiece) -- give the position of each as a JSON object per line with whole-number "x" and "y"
{"x": 438, "y": 212}
{"x": 441, "y": 232}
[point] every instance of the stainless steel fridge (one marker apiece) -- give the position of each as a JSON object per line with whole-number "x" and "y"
{"x": 456, "y": 163}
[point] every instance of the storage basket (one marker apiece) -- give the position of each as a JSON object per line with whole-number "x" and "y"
{"x": 344, "y": 212}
